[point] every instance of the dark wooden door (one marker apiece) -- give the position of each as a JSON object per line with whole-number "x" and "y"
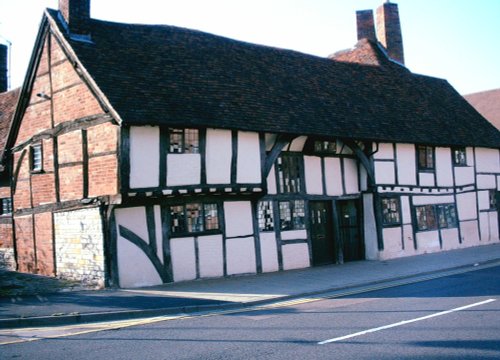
{"x": 350, "y": 230}
{"x": 321, "y": 232}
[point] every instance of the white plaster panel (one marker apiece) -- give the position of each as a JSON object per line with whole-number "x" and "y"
{"x": 493, "y": 226}
{"x": 483, "y": 199}
{"x": 240, "y": 255}
{"x": 429, "y": 200}
{"x": 134, "y": 219}
{"x": 218, "y": 156}
{"x": 464, "y": 175}
{"x": 385, "y": 151}
{"x": 406, "y": 164}
{"x": 268, "y": 252}
{"x": 351, "y": 176}
{"x": 183, "y": 258}
{"x": 428, "y": 241}
{"x": 487, "y": 160}
{"x": 298, "y": 143}
{"x": 158, "y": 232}
{"x": 344, "y": 149}
{"x": 408, "y": 240}
{"x": 271, "y": 182}
{"x": 295, "y": 256}
{"x": 293, "y": 234}
{"x": 363, "y": 175}
{"x": 134, "y": 267}
{"x": 449, "y": 238}
{"x": 370, "y": 228}
{"x": 486, "y": 182}
{"x": 405, "y": 209}
{"x": 210, "y": 256}
{"x": 484, "y": 226}
{"x": 469, "y": 153}
{"x": 270, "y": 139}
{"x": 313, "y": 174}
{"x": 384, "y": 172}
{"x": 470, "y": 233}
{"x": 466, "y": 206}
{"x": 333, "y": 176}
{"x": 248, "y": 168}
{"x": 183, "y": 169}
{"x": 426, "y": 179}
{"x": 392, "y": 242}
{"x": 238, "y": 218}
{"x": 444, "y": 169}
{"x": 144, "y": 156}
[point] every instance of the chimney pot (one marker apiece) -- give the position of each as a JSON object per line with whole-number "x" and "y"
{"x": 76, "y": 13}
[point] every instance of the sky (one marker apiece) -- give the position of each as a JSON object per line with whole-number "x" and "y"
{"x": 457, "y": 40}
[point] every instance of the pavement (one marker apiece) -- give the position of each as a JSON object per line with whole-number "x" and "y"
{"x": 32, "y": 300}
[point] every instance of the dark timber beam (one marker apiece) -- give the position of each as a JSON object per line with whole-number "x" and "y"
{"x": 278, "y": 146}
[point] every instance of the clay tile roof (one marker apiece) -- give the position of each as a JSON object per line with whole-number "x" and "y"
{"x": 8, "y": 102}
{"x": 155, "y": 74}
{"x": 488, "y": 105}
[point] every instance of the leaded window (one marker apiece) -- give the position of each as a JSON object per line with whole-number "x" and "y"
{"x": 193, "y": 218}
{"x": 292, "y": 215}
{"x": 432, "y": 217}
{"x": 459, "y": 156}
{"x": 289, "y": 173}
{"x": 327, "y": 147}
{"x": 425, "y": 157}
{"x": 265, "y": 215}
{"x": 184, "y": 141}
{"x": 6, "y": 206}
{"x": 493, "y": 199}
{"x": 391, "y": 211}
{"x": 36, "y": 157}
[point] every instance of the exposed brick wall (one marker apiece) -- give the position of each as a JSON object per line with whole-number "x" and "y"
{"x": 103, "y": 174}
{"x": 80, "y": 246}
{"x": 71, "y": 182}
{"x": 70, "y": 147}
{"x": 102, "y": 139}
{"x": 26, "y": 258}
{"x": 44, "y": 244}
{"x": 22, "y": 195}
{"x": 6, "y": 233}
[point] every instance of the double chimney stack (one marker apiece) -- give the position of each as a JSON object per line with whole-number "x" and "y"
{"x": 387, "y": 31}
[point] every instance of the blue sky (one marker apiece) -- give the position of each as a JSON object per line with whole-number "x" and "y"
{"x": 452, "y": 39}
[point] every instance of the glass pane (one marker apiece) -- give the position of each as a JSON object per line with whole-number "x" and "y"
{"x": 191, "y": 140}
{"x": 390, "y": 211}
{"x": 36, "y": 157}
{"x": 176, "y": 141}
{"x": 177, "y": 219}
{"x": 265, "y": 216}
{"x": 299, "y": 215}
{"x": 285, "y": 216}
{"x": 211, "y": 217}
{"x": 194, "y": 217}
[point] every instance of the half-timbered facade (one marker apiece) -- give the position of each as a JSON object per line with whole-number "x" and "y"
{"x": 150, "y": 154}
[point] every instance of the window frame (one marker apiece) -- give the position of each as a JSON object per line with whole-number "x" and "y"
{"x": 434, "y": 224}
{"x": 292, "y": 206}
{"x": 454, "y": 152}
{"x": 34, "y": 149}
{"x": 265, "y": 216}
{"x": 492, "y": 199}
{"x": 398, "y": 211}
{"x": 184, "y": 146}
{"x": 429, "y": 150}
{"x": 187, "y": 222}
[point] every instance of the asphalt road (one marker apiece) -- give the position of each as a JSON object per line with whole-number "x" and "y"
{"x": 456, "y": 317}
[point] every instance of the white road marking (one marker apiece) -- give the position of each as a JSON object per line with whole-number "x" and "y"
{"x": 405, "y": 322}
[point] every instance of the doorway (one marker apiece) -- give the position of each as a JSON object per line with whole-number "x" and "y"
{"x": 321, "y": 232}
{"x": 351, "y": 239}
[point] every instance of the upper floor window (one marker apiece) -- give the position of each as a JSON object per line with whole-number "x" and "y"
{"x": 36, "y": 157}
{"x": 493, "y": 199}
{"x": 459, "y": 156}
{"x": 184, "y": 141}
{"x": 292, "y": 215}
{"x": 326, "y": 147}
{"x": 433, "y": 217}
{"x": 6, "y": 206}
{"x": 425, "y": 156}
{"x": 194, "y": 217}
{"x": 391, "y": 211}
{"x": 289, "y": 173}
{"x": 265, "y": 215}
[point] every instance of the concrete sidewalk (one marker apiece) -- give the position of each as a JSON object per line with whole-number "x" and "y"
{"x": 39, "y": 309}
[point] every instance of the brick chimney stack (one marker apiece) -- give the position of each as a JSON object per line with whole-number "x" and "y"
{"x": 4, "y": 75}
{"x": 365, "y": 25}
{"x": 76, "y": 13}
{"x": 389, "y": 31}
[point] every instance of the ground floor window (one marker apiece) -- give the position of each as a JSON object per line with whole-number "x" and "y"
{"x": 433, "y": 217}
{"x": 193, "y": 218}
{"x": 265, "y": 215}
{"x": 391, "y": 211}
{"x": 292, "y": 215}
